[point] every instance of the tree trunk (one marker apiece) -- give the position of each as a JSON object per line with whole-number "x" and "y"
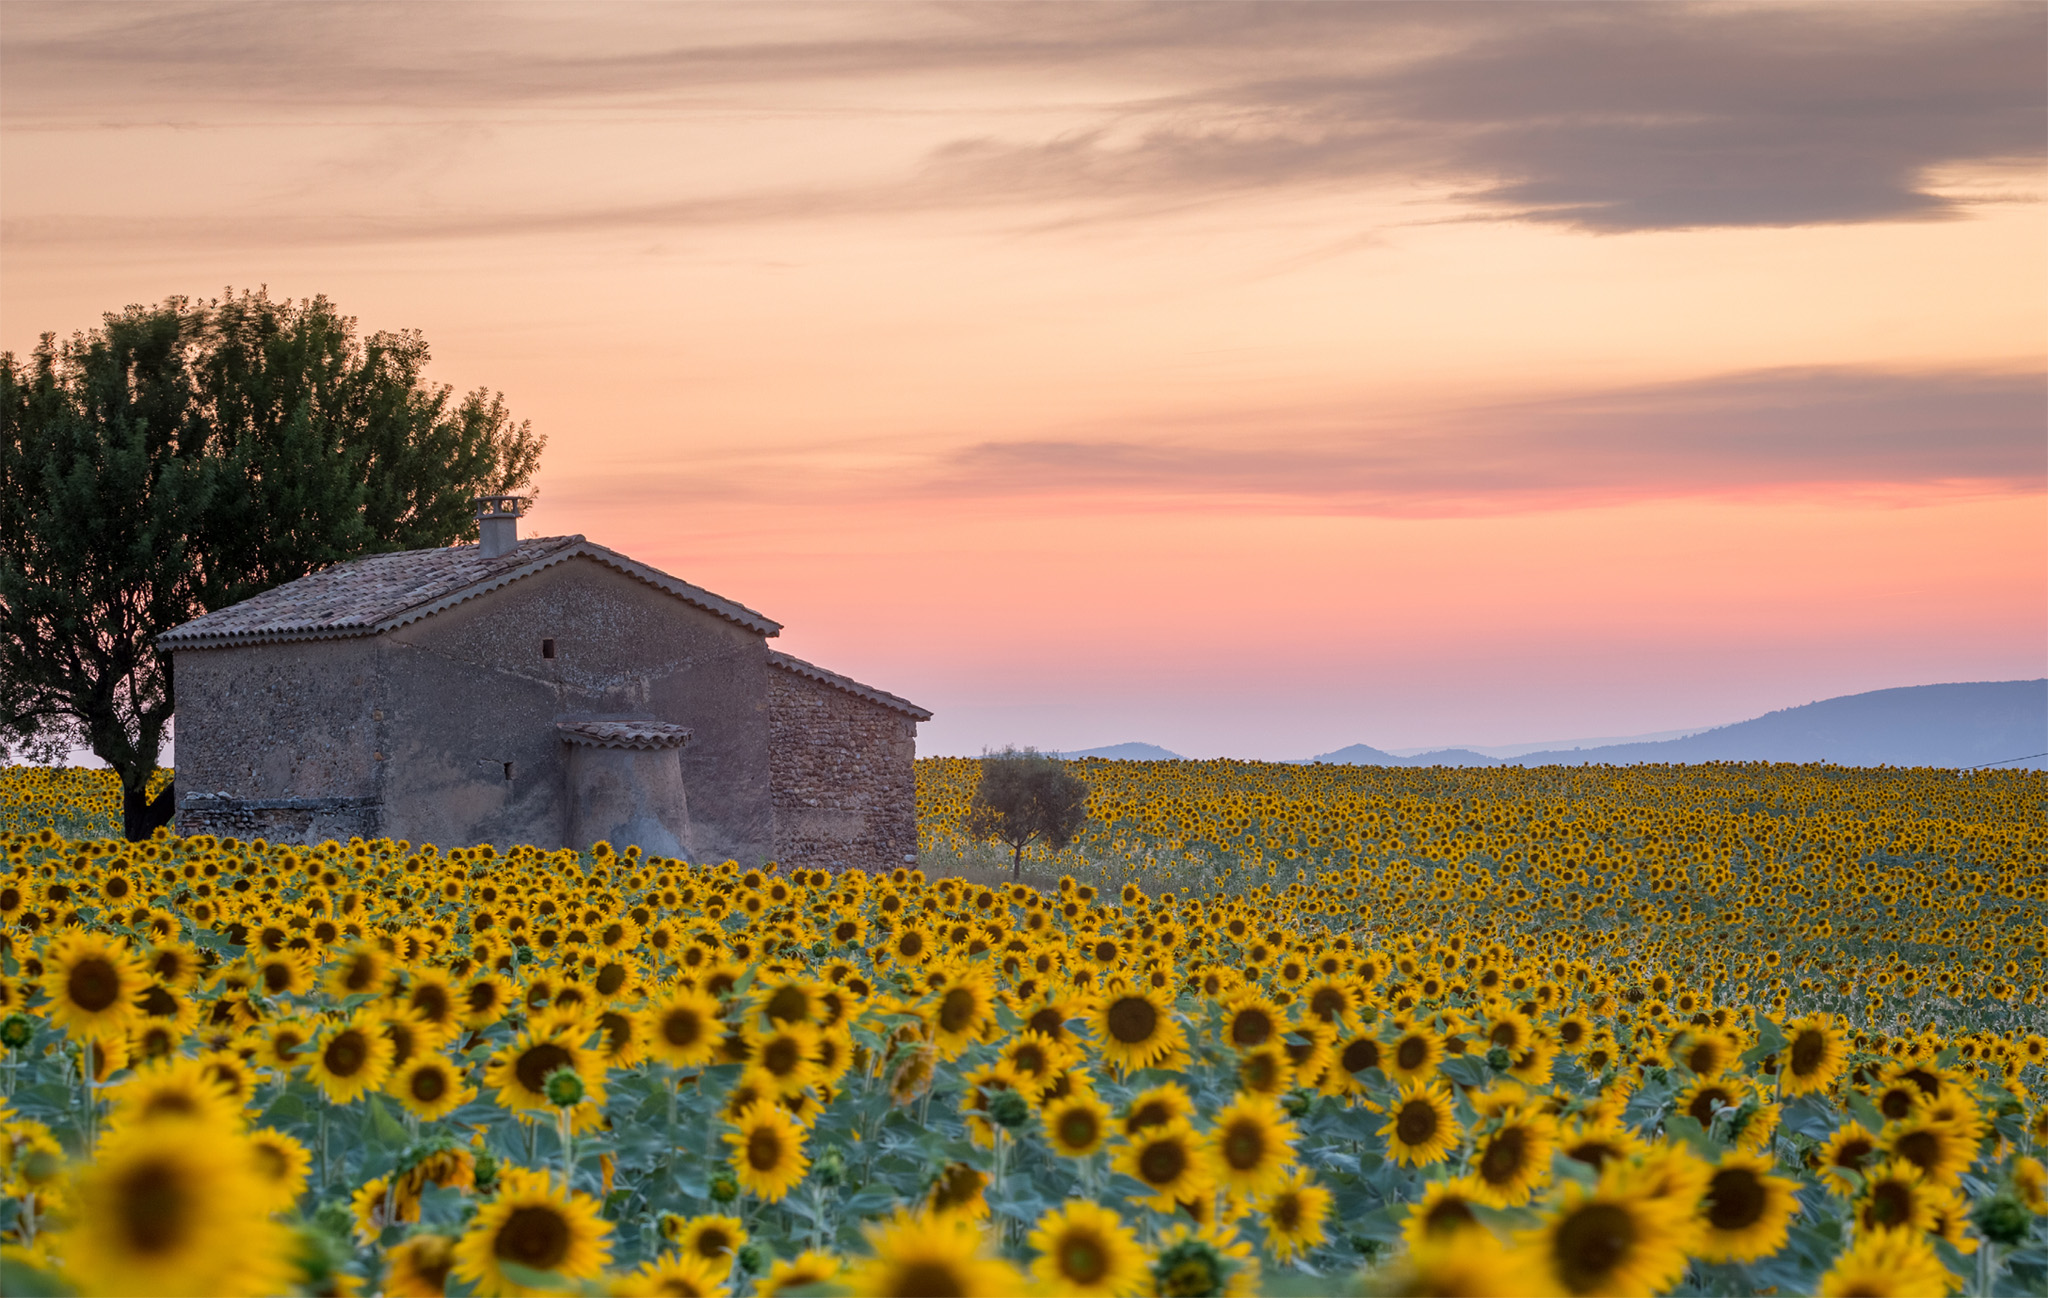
{"x": 1016, "y": 861}
{"x": 140, "y": 813}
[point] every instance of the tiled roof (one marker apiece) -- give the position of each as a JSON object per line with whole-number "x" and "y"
{"x": 382, "y": 591}
{"x": 624, "y": 734}
{"x": 798, "y": 667}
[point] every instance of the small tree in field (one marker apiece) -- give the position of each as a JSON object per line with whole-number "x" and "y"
{"x": 1027, "y": 797}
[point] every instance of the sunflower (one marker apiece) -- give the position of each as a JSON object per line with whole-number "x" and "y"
{"x": 1168, "y": 1160}
{"x": 809, "y": 1268}
{"x": 1264, "y": 1071}
{"x": 1746, "y": 1212}
{"x": 1077, "y": 1125}
{"x": 430, "y": 1087}
{"x": 1942, "y": 1151}
{"x": 1158, "y": 1106}
{"x": 484, "y": 1000}
{"x": 357, "y": 970}
{"x": 919, "y": 1253}
{"x": 281, "y": 1163}
{"x": 176, "y": 1089}
{"x": 1896, "y": 1196}
{"x": 1469, "y": 1265}
{"x": 1136, "y": 1029}
{"x": 1511, "y": 1157}
{"x": 961, "y": 1013}
{"x": 1251, "y": 1145}
{"x": 683, "y": 1029}
{"x": 768, "y": 1151}
{"x": 536, "y": 1225}
{"x": 1413, "y": 1055}
{"x": 1610, "y": 1240}
{"x": 1815, "y": 1050}
{"x": 355, "y": 1058}
{"x": 1707, "y": 1095}
{"x": 1294, "y": 1214}
{"x": 93, "y": 982}
{"x": 1085, "y": 1250}
{"x": 282, "y": 973}
{"x": 958, "y": 1189}
{"x": 713, "y": 1239}
{"x": 178, "y": 1208}
{"x": 782, "y": 1060}
{"x": 1887, "y": 1264}
{"x": 2030, "y": 1183}
{"x": 1596, "y": 1141}
{"x": 1445, "y": 1208}
{"x": 1252, "y": 1021}
{"x": 521, "y": 1070}
{"x": 676, "y": 1275}
{"x": 419, "y": 1267}
{"x": 1204, "y": 1260}
{"x": 284, "y": 1045}
{"x": 1420, "y": 1127}
{"x": 1035, "y": 1058}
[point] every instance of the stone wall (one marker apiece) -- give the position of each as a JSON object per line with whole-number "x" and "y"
{"x": 843, "y": 775}
{"x": 280, "y": 820}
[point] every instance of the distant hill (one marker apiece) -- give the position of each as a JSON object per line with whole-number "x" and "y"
{"x": 1920, "y": 725}
{"x": 1367, "y": 755}
{"x": 1127, "y": 753}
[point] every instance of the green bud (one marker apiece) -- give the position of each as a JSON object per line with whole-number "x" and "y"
{"x": 1192, "y": 1268}
{"x": 38, "y": 1167}
{"x": 2003, "y": 1219}
{"x": 1498, "y": 1059}
{"x": 830, "y": 1168}
{"x": 563, "y": 1088}
{"x": 751, "y": 1259}
{"x": 486, "y": 1170}
{"x": 1297, "y": 1103}
{"x": 724, "y": 1189}
{"x": 1008, "y": 1109}
{"x": 17, "y": 1031}
{"x": 819, "y": 950}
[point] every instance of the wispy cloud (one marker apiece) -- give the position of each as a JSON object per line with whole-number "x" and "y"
{"x": 1606, "y": 118}
{"x": 1774, "y": 432}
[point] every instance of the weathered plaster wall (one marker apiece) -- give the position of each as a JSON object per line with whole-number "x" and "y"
{"x": 845, "y": 785}
{"x": 470, "y": 693}
{"x": 284, "y": 730}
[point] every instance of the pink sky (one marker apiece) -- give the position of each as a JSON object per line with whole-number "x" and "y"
{"x": 1251, "y": 381}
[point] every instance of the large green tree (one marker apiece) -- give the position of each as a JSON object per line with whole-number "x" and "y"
{"x": 1024, "y": 797}
{"x": 185, "y": 456}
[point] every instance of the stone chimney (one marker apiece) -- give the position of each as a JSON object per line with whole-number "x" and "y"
{"x": 497, "y": 523}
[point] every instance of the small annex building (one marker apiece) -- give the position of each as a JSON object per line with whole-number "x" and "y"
{"x": 546, "y": 691}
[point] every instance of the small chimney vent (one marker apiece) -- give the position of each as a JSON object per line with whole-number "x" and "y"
{"x": 497, "y": 523}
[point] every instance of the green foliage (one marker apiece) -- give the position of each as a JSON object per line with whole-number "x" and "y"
{"x": 1025, "y": 797}
{"x": 186, "y": 456}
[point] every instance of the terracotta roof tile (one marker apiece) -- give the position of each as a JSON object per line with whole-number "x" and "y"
{"x": 382, "y": 591}
{"x": 624, "y": 734}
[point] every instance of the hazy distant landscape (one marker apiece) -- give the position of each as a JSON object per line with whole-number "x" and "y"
{"x": 1967, "y": 724}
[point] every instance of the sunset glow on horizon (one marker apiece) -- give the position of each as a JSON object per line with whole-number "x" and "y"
{"x": 1247, "y": 380}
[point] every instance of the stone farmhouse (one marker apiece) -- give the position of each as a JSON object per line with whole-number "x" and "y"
{"x": 546, "y": 691}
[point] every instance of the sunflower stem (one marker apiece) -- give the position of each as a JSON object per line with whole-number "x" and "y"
{"x": 568, "y": 1149}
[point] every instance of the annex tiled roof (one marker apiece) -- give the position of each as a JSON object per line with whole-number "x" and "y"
{"x": 382, "y": 591}
{"x": 797, "y": 666}
{"x": 624, "y": 734}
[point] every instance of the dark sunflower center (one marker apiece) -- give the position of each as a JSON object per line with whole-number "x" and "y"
{"x": 1896, "y": 1104}
{"x": 159, "y": 1004}
{"x": 1286, "y": 1211}
{"x": 1704, "y": 1104}
{"x": 681, "y": 1027}
{"x": 482, "y": 997}
{"x": 1250, "y": 1028}
{"x": 1244, "y": 1145}
{"x": 1449, "y": 1214}
{"x": 1417, "y": 1123}
{"x": 1852, "y": 1154}
{"x": 764, "y": 1149}
{"x": 346, "y": 1053}
{"x": 94, "y": 984}
{"x": 1328, "y": 1003}
{"x": 536, "y": 1063}
{"x": 1920, "y": 1148}
{"x": 1891, "y": 1204}
{"x": 1163, "y": 1163}
{"x": 1591, "y": 1243}
{"x": 782, "y": 1056}
{"x": 714, "y": 1243}
{"x": 154, "y": 1208}
{"x": 610, "y": 979}
{"x": 1808, "y": 1049}
{"x": 429, "y": 1085}
{"x": 1505, "y": 1156}
{"x": 956, "y": 1010}
{"x": 1082, "y": 1258}
{"x": 789, "y": 1005}
{"x": 928, "y": 1280}
{"x": 1735, "y": 1199}
{"x": 277, "y": 977}
{"x": 1132, "y": 1020}
{"x": 359, "y": 976}
{"x": 1361, "y": 1054}
{"x": 1077, "y": 1128}
{"x": 1411, "y": 1053}
{"x": 535, "y": 1236}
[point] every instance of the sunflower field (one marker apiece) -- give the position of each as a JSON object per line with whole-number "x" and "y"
{"x": 1265, "y": 1029}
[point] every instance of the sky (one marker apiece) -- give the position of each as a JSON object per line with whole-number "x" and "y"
{"x": 1249, "y": 380}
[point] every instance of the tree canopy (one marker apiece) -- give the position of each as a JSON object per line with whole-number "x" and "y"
{"x": 185, "y": 456}
{"x": 1024, "y": 797}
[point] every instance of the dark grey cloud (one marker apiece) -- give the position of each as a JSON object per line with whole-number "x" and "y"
{"x": 1772, "y": 430}
{"x": 1610, "y": 118}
